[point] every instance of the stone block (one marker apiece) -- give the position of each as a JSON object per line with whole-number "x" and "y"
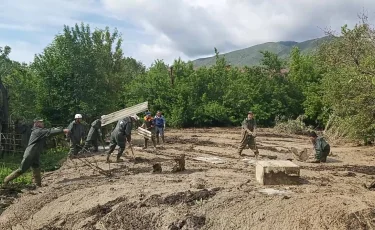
{"x": 277, "y": 172}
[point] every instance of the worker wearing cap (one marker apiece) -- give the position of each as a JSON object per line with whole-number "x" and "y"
{"x": 248, "y": 134}
{"x": 159, "y": 126}
{"x": 322, "y": 148}
{"x": 149, "y": 124}
{"x": 31, "y": 156}
{"x": 76, "y": 134}
{"x": 94, "y": 134}
{"x": 122, "y": 130}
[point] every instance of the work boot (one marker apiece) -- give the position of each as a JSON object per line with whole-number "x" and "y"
{"x": 323, "y": 159}
{"x": 315, "y": 161}
{"x": 145, "y": 147}
{"x": 12, "y": 176}
{"x": 162, "y": 139}
{"x": 157, "y": 139}
{"x": 37, "y": 177}
{"x": 256, "y": 154}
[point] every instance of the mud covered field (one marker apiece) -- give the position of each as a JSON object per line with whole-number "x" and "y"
{"x": 220, "y": 195}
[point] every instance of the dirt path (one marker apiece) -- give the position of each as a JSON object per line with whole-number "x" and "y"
{"x": 206, "y": 195}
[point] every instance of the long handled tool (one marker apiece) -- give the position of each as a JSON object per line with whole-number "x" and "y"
{"x": 91, "y": 165}
{"x": 131, "y": 148}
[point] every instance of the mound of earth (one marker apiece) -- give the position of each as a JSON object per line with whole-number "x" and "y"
{"x": 221, "y": 194}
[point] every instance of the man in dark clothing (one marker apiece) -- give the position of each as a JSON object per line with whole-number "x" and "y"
{"x": 76, "y": 133}
{"x": 122, "y": 130}
{"x": 94, "y": 134}
{"x": 248, "y": 134}
{"x": 322, "y": 148}
{"x": 36, "y": 145}
{"x": 159, "y": 126}
{"x": 149, "y": 124}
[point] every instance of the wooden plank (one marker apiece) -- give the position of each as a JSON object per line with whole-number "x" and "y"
{"x": 144, "y": 132}
{"x": 118, "y": 115}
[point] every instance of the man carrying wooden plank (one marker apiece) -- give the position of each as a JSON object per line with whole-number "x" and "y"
{"x": 122, "y": 130}
{"x": 149, "y": 125}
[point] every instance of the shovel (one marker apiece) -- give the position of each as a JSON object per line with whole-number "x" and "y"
{"x": 300, "y": 155}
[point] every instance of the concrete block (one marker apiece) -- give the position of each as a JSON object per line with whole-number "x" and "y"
{"x": 277, "y": 172}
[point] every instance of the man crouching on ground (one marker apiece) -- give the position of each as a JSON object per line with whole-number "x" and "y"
{"x": 249, "y": 134}
{"x": 322, "y": 148}
{"x": 31, "y": 157}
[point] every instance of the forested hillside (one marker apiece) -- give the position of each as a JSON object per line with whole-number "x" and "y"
{"x": 85, "y": 71}
{"x": 251, "y": 56}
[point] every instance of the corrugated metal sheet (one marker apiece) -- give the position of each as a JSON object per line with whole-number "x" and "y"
{"x": 118, "y": 115}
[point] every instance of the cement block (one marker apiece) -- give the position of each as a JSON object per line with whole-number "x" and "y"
{"x": 277, "y": 172}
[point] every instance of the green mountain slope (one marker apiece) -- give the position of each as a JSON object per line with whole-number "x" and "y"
{"x": 251, "y": 56}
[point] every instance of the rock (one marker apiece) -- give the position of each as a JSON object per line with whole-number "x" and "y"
{"x": 157, "y": 168}
{"x": 198, "y": 183}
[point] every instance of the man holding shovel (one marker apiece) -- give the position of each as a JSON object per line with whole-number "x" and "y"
{"x": 121, "y": 132}
{"x": 249, "y": 134}
{"x": 76, "y": 133}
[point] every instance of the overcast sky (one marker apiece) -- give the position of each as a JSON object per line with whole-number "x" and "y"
{"x": 168, "y": 29}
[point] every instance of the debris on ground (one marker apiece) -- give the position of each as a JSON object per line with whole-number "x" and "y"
{"x": 180, "y": 163}
{"x": 198, "y": 183}
{"x": 271, "y": 191}
{"x": 156, "y": 168}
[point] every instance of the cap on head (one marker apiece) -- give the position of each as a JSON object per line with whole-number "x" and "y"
{"x": 135, "y": 117}
{"x": 250, "y": 112}
{"x": 78, "y": 116}
{"x": 38, "y": 120}
{"x": 313, "y": 134}
{"x": 148, "y": 113}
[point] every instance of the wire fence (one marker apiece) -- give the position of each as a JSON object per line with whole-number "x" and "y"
{"x": 15, "y": 138}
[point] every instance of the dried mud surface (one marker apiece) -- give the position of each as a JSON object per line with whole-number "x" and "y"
{"x": 205, "y": 195}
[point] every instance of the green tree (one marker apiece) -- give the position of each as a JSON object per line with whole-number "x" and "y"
{"x": 348, "y": 65}
{"x": 80, "y": 72}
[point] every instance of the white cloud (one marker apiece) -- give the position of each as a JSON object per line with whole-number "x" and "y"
{"x": 194, "y": 27}
{"x": 169, "y": 29}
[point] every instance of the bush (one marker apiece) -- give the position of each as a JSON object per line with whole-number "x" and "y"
{"x": 291, "y": 126}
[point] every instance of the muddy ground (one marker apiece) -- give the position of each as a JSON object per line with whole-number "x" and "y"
{"x": 205, "y": 196}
